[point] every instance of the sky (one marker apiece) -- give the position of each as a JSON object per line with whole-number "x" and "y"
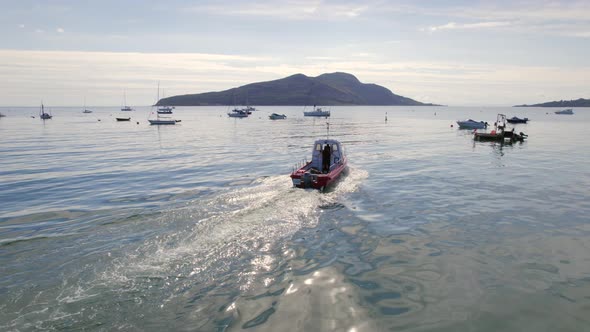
{"x": 460, "y": 53}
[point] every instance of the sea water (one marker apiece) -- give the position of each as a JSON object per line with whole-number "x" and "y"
{"x": 109, "y": 225}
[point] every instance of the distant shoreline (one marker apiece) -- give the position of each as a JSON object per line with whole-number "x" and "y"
{"x": 561, "y": 103}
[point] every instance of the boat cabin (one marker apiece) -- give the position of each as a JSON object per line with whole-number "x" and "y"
{"x": 326, "y": 155}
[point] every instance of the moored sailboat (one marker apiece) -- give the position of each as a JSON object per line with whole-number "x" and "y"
{"x": 125, "y": 108}
{"x": 43, "y": 115}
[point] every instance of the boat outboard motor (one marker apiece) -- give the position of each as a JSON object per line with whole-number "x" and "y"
{"x": 306, "y": 180}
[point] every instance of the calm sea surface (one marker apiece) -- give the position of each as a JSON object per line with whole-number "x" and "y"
{"x": 109, "y": 225}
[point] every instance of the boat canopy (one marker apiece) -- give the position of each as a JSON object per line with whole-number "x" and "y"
{"x": 336, "y": 154}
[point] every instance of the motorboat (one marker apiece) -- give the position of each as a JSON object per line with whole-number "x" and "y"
{"x": 327, "y": 164}
{"x": 43, "y": 115}
{"x": 123, "y": 119}
{"x": 317, "y": 111}
{"x": 87, "y": 111}
{"x": 515, "y": 119}
{"x": 2, "y": 115}
{"x": 472, "y": 124}
{"x": 568, "y": 111}
{"x": 276, "y": 116}
{"x": 500, "y": 133}
{"x": 238, "y": 113}
{"x": 165, "y": 109}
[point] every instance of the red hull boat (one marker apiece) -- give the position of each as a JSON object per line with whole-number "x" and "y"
{"x": 327, "y": 164}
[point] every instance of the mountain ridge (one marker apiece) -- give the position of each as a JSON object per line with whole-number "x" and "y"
{"x": 326, "y": 89}
{"x": 580, "y": 102}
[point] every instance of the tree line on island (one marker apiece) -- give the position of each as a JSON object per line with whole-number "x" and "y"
{"x": 298, "y": 89}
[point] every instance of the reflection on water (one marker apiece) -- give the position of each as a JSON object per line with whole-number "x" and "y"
{"x": 197, "y": 227}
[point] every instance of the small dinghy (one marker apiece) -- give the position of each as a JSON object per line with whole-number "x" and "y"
{"x": 327, "y": 164}
{"x": 515, "y": 119}
{"x": 276, "y": 116}
{"x": 472, "y": 124}
{"x": 123, "y": 119}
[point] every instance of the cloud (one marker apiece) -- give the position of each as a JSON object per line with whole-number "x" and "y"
{"x": 290, "y": 10}
{"x": 39, "y": 30}
{"x": 467, "y": 26}
{"x": 558, "y": 18}
{"x": 33, "y": 74}
{"x": 21, "y": 26}
{"x": 321, "y": 58}
{"x": 60, "y": 30}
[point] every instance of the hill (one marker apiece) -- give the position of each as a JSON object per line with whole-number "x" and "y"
{"x": 298, "y": 89}
{"x": 561, "y": 103}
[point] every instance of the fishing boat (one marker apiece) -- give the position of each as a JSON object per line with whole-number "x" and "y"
{"x": 43, "y": 115}
{"x": 317, "y": 111}
{"x": 472, "y": 124}
{"x": 276, "y": 116}
{"x": 500, "y": 133}
{"x": 515, "y": 119}
{"x": 568, "y": 111}
{"x": 238, "y": 113}
{"x": 123, "y": 119}
{"x": 327, "y": 164}
{"x": 125, "y": 108}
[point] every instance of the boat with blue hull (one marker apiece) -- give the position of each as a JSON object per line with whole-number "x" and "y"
{"x": 515, "y": 120}
{"x": 472, "y": 124}
{"x": 276, "y": 116}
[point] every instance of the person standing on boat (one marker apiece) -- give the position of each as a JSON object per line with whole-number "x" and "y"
{"x": 326, "y": 154}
